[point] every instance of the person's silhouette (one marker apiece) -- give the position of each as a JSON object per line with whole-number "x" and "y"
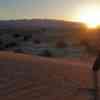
{"x": 96, "y": 67}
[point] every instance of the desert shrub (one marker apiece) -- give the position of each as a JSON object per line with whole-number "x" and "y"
{"x": 46, "y": 53}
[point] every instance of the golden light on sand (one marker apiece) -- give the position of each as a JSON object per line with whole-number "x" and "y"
{"x": 90, "y": 16}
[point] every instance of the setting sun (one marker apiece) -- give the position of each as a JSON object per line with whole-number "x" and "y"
{"x": 90, "y": 16}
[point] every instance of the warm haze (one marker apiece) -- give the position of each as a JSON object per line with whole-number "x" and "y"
{"x": 74, "y": 10}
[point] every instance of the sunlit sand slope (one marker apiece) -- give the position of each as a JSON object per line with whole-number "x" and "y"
{"x": 23, "y": 77}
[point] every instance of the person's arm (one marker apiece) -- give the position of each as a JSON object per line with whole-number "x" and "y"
{"x": 96, "y": 65}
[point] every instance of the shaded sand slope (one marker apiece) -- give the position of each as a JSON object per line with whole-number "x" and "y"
{"x": 23, "y": 77}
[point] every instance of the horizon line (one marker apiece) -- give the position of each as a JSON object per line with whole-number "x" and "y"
{"x": 52, "y": 19}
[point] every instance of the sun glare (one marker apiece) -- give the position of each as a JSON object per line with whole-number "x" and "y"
{"x": 90, "y": 16}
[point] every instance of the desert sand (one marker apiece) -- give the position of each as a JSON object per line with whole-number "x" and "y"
{"x": 27, "y": 77}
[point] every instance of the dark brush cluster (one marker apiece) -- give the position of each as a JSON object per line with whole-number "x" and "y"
{"x": 12, "y": 41}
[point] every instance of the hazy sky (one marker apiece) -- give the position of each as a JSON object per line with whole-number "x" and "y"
{"x": 57, "y": 9}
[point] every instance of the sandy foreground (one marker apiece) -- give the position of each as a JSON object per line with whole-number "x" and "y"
{"x": 27, "y": 77}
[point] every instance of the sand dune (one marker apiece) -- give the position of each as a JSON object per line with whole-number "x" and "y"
{"x": 23, "y": 77}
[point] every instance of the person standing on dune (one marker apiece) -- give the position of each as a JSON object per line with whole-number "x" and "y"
{"x": 96, "y": 65}
{"x": 96, "y": 68}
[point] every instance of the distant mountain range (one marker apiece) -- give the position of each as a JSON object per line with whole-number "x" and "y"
{"x": 39, "y": 23}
